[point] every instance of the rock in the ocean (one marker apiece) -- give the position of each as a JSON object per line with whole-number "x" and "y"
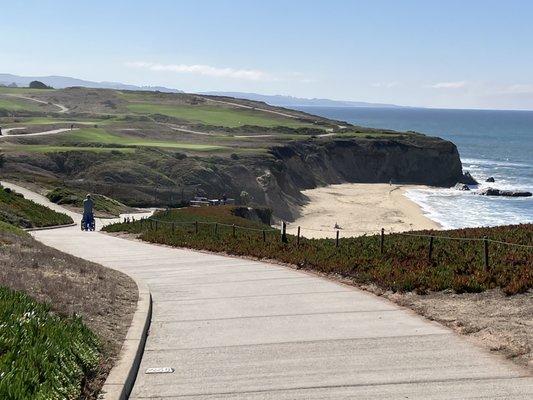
{"x": 461, "y": 186}
{"x": 491, "y": 179}
{"x": 468, "y": 179}
{"x": 506, "y": 193}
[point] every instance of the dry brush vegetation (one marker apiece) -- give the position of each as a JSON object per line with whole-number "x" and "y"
{"x": 83, "y": 311}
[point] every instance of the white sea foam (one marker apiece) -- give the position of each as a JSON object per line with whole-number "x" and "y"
{"x": 476, "y": 161}
{"x": 457, "y": 209}
{"x": 493, "y": 144}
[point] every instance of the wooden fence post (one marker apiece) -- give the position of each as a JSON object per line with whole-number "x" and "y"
{"x": 216, "y": 228}
{"x": 156, "y": 225}
{"x": 486, "y": 252}
{"x": 173, "y": 227}
{"x": 234, "y": 233}
{"x": 196, "y": 227}
{"x": 298, "y": 237}
{"x": 382, "y": 241}
{"x": 337, "y": 239}
{"x": 264, "y": 236}
{"x": 284, "y": 232}
{"x": 430, "y": 248}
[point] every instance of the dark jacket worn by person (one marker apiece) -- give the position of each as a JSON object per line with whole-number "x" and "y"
{"x": 88, "y": 205}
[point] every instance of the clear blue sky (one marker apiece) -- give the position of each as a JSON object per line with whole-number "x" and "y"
{"x": 474, "y": 54}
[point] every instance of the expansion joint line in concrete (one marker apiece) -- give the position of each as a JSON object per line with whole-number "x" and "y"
{"x": 318, "y": 387}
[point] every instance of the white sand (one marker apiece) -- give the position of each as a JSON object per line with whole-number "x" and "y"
{"x": 359, "y": 208}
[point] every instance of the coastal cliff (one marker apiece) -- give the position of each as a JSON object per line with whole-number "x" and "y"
{"x": 422, "y": 160}
{"x": 411, "y": 159}
{"x": 274, "y": 178}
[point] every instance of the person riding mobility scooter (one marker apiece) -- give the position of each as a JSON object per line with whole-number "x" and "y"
{"x": 87, "y": 222}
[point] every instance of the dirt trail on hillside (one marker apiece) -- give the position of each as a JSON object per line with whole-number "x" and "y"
{"x": 50, "y": 132}
{"x": 253, "y": 108}
{"x": 62, "y": 108}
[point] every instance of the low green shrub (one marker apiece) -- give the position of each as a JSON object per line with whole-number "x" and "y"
{"x": 42, "y": 355}
{"x": 5, "y": 227}
{"x": 18, "y": 211}
{"x": 62, "y": 195}
{"x": 403, "y": 266}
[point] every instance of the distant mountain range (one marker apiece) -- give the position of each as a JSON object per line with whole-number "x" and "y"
{"x": 290, "y": 101}
{"x": 60, "y": 82}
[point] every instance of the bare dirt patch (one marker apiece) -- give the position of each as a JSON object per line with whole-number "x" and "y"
{"x": 106, "y": 299}
{"x": 503, "y": 324}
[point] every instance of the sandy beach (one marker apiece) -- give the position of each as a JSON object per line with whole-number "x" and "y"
{"x": 360, "y": 208}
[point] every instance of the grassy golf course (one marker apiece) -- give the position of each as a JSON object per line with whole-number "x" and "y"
{"x": 151, "y": 148}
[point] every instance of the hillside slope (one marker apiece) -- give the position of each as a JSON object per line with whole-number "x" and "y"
{"x": 152, "y": 148}
{"x": 17, "y": 211}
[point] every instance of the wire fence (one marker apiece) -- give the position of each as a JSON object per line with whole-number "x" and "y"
{"x": 154, "y": 223}
{"x": 301, "y": 229}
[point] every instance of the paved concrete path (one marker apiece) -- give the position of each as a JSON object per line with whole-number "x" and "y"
{"x": 45, "y": 133}
{"x": 240, "y": 329}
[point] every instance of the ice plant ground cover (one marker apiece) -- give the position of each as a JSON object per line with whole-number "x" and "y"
{"x": 42, "y": 355}
{"x": 404, "y": 265}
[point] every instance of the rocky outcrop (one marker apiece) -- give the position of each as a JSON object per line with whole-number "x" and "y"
{"x": 468, "y": 179}
{"x": 257, "y": 214}
{"x": 490, "y": 179}
{"x": 505, "y": 193}
{"x": 461, "y": 186}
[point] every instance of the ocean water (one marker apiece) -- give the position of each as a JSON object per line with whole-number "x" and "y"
{"x": 490, "y": 143}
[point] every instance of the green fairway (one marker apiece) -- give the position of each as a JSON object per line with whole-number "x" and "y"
{"x": 217, "y": 116}
{"x": 369, "y": 134}
{"x": 93, "y": 135}
{"x": 100, "y": 136}
{"x": 97, "y": 135}
{"x": 14, "y": 104}
{"x": 37, "y": 148}
{"x": 179, "y": 146}
{"x": 50, "y": 121}
{"x": 23, "y": 91}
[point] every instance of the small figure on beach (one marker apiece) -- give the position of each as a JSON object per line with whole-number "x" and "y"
{"x": 224, "y": 199}
{"x": 0, "y": 131}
